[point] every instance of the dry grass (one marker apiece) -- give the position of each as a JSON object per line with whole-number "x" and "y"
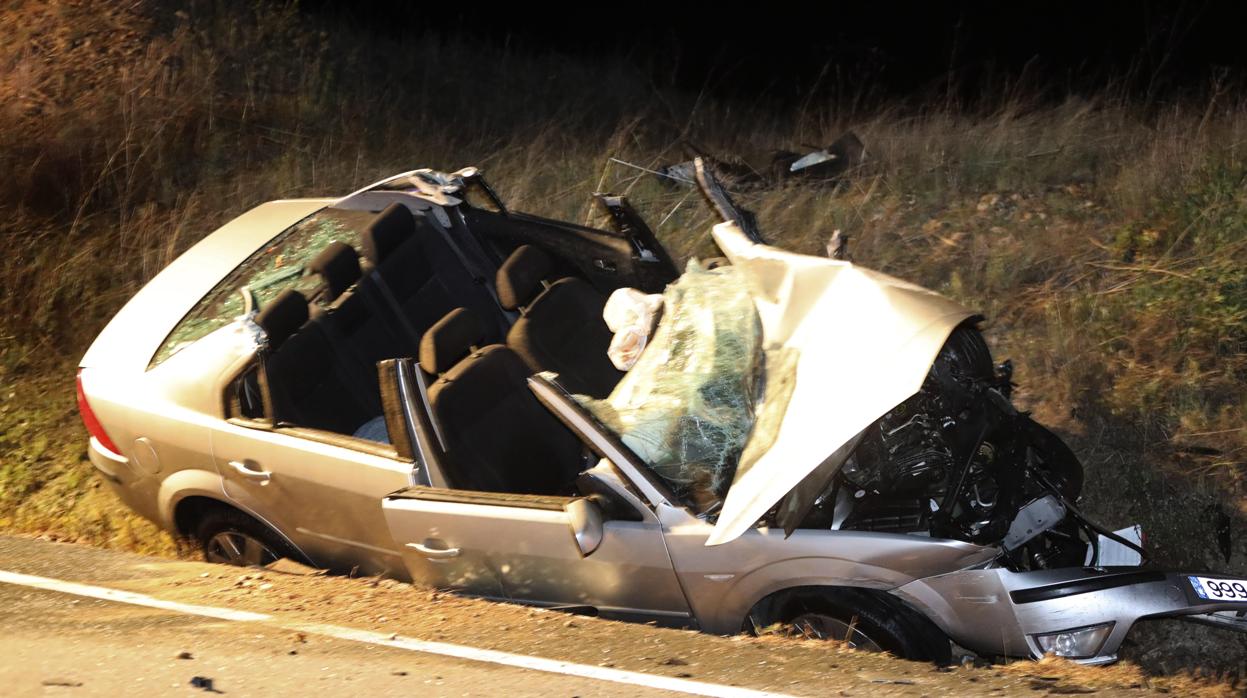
{"x": 1106, "y": 243}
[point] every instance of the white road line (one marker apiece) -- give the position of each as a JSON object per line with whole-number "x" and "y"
{"x": 29, "y": 580}
{"x": 552, "y": 666}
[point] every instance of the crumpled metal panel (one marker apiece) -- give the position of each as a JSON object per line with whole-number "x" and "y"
{"x": 863, "y": 342}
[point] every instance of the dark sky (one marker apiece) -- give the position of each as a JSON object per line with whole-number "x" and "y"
{"x": 1157, "y": 49}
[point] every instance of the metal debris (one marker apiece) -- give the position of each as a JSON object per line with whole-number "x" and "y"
{"x": 825, "y": 164}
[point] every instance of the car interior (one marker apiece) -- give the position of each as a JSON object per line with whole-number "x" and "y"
{"x": 409, "y": 294}
{"x": 560, "y": 327}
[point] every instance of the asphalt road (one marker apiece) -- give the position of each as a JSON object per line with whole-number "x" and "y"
{"x": 81, "y": 621}
{"x": 55, "y": 644}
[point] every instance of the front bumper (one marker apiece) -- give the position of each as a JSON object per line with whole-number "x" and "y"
{"x": 996, "y": 612}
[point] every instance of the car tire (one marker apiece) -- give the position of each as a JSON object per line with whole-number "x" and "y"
{"x": 868, "y": 619}
{"x": 228, "y": 536}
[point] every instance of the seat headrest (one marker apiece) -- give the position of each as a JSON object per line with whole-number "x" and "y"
{"x": 338, "y": 265}
{"x": 519, "y": 278}
{"x": 387, "y": 231}
{"x": 283, "y": 317}
{"x": 449, "y": 340}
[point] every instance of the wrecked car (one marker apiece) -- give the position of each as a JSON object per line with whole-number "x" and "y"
{"x": 415, "y": 380}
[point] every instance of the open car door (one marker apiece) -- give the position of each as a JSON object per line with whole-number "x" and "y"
{"x": 600, "y": 552}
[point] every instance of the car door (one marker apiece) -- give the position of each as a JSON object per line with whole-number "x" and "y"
{"x": 324, "y": 496}
{"x": 471, "y": 541}
{"x": 522, "y": 547}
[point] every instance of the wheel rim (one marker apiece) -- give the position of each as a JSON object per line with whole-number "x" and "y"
{"x": 239, "y": 549}
{"x": 822, "y": 627}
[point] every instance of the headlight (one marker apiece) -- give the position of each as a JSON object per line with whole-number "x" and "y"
{"x": 1078, "y": 643}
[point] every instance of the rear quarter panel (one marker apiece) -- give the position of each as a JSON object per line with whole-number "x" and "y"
{"x": 159, "y": 418}
{"x": 162, "y": 419}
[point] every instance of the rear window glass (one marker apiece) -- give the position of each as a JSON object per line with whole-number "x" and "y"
{"x": 277, "y": 266}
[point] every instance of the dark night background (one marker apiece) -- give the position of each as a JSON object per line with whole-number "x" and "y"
{"x": 1151, "y": 50}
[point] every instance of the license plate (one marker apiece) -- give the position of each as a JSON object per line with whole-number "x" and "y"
{"x": 1219, "y": 589}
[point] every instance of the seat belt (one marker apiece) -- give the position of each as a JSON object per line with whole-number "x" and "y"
{"x": 389, "y": 307}
{"x": 474, "y": 270}
{"x": 471, "y": 268}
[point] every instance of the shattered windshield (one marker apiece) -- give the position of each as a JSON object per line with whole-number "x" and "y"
{"x": 270, "y": 270}
{"x": 687, "y": 407}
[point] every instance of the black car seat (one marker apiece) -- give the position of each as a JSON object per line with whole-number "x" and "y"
{"x": 310, "y": 384}
{"x": 560, "y": 327}
{"x": 355, "y": 312}
{"x": 499, "y": 438}
{"x": 422, "y": 273}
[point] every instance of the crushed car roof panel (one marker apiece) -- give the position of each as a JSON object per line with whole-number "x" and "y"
{"x": 864, "y": 341}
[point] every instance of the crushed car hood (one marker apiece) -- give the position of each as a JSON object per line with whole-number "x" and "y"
{"x": 864, "y": 342}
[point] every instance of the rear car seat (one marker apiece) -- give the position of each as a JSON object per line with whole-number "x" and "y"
{"x": 423, "y": 273}
{"x": 355, "y": 310}
{"x": 499, "y": 438}
{"x": 311, "y": 384}
{"x": 560, "y": 327}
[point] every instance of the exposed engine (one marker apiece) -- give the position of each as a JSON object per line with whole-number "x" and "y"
{"x": 957, "y": 460}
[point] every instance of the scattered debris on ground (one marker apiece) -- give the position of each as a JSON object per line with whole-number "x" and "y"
{"x": 817, "y": 164}
{"x": 204, "y": 683}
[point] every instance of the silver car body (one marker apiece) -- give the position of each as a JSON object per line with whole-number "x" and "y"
{"x": 346, "y": 503}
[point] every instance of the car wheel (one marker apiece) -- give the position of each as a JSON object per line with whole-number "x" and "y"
{"x": 230, "y": 537}
{"x": 821, "y": 626}
{"x": 869, "y": 621}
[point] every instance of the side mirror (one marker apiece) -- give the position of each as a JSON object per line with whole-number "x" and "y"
{"x": 587, "y": 524}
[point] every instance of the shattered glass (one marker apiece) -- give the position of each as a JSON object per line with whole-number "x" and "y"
{"x": 687, "y": 407}
{"x": 781, "y": 380}
{"x": 269, "y": 271}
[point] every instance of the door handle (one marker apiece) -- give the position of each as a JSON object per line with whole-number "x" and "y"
{"x": 434, "y": 553}
{"x": 247, "y": 471}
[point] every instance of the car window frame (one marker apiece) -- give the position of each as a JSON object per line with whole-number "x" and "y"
{"x": 429, "y": 448}
{"x": 268, "y": 423}
{"x": 633, "y": 471}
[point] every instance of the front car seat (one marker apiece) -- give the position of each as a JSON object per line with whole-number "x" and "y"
{"x": 560, "y": 328}
{"x": 499, "y": 438}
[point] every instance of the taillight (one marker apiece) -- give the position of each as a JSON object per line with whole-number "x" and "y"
{"x": 91, "y": 422}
